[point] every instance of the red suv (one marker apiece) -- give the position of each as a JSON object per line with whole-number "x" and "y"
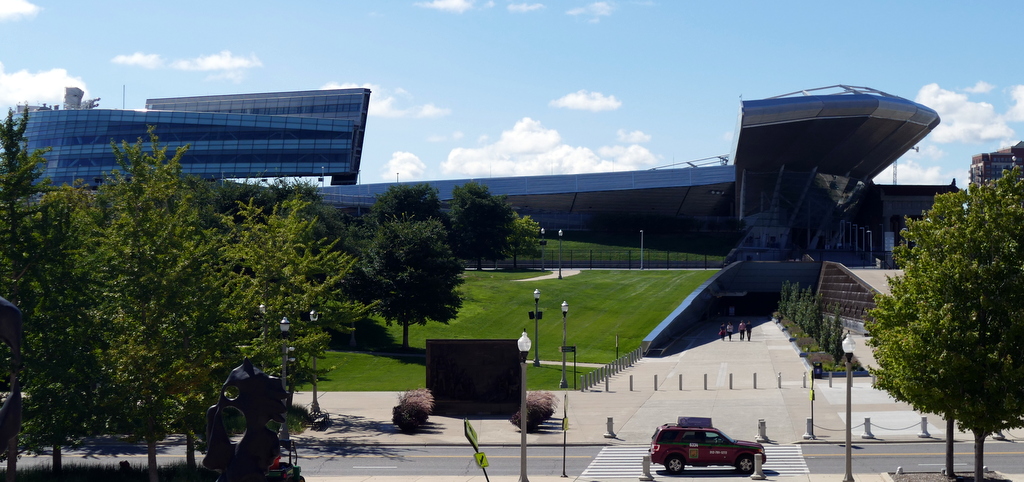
{"x": 693, "y": 441}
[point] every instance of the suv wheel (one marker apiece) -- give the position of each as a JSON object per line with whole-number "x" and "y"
{"x": 674, "y": 464}
{"x": 745, "y": 464}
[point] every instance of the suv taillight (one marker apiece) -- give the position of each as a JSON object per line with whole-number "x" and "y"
{"x": 655, "y": 448}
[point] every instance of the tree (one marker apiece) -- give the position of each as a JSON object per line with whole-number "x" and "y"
{"x": 166, "y": 342}
{"x": 411, "y": 274}
{"x": 22, "y": 253}
{"x": 948, "y": 338}
{"x": 277, "y": 261}
{"x": 481, "y": 223}
{"x": 418, "y": 202}
{"x": 522, "y": 238}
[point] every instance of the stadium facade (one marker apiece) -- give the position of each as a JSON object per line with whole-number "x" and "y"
{"x": 801, "y": 167}
{"x": 283, "y": 134}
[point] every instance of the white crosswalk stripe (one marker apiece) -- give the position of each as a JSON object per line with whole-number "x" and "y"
{"x": 627, "y": 462}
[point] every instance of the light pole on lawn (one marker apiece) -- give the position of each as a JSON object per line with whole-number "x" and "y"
{"x": 848, "y": 346}
{"x": 315, "y": 406}
{"x": 565, "y": 312}
{"x": 559, "y": 254}
{"x": 543, "y": 243}
{"x": 641, "y": 250}
{"x": 524, "y": 351}
{"x": 536, "y": 315}
{"x": 285, "y": 326}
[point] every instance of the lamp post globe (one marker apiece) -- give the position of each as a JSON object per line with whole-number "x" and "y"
{"x": 565, "y": 312}
{"x": 848, "y": 346}
{"x": 524, "y": 351}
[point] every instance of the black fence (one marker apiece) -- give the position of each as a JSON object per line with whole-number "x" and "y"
{"x": 608, "y": 259}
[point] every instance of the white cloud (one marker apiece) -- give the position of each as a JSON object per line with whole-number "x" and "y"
{"x": 403, "y": 166}
{"x": 524, "y": 7}
{"x": 224, "y": 60}
{"x": 1016, "y": 112}
{"x": 456, "y": 6}
{"x": 35, "y": 88}
{"x": 595, "y": 11}
{"x": 223, "y": 65}
{"x": 981, "y": 87}
{"x": 17, "y": 9}
{"x": 962, "y": 120}
{"x": 632, "y": 137}
{"x": 385, "y": 102}
{"x": 441, "y": 138}
{"x": 583, "y": 100}
{"x": 529, "y": 148}
{"x": 149, "y": 61}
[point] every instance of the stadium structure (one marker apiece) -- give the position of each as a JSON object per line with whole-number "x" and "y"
{"x": 800, "y": 167}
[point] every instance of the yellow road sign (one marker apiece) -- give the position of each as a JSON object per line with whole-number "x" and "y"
{"x": 481, "y": 459}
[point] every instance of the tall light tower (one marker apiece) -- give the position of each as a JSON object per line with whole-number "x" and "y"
{"x": 565, "y": 312}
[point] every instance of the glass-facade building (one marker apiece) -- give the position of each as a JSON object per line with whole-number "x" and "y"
{"x": 283, "y": 134}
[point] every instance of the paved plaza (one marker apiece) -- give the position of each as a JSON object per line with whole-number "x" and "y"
{"x": 729, "y": 369}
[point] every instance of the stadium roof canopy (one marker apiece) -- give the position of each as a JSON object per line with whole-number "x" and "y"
{"x": 853, "y": 132}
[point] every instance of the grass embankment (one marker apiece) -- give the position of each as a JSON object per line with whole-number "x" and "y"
{"x": 602, "y": 304}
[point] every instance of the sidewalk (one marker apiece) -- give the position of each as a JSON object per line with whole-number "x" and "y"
{"x": 730, "y": 398}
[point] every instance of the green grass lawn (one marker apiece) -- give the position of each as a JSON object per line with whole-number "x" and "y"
{"x": 602, "y": 304}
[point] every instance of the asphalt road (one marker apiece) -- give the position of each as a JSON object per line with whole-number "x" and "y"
{"x": 1005, "y": 457}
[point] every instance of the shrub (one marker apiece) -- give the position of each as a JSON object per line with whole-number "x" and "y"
{"x": 413, "y": 409}
{"x": 540, "y": 406}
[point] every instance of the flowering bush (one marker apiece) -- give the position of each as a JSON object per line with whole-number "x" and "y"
{"x": 413, "y": 409}
{"x": 540, "y": 406}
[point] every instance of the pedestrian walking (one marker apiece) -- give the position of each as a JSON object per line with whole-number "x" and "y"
{"x": 743, "y": 329}
{"x": 750, "y": 329}
{"x": 721, "y": 332}
{"x": 728, "y": 330}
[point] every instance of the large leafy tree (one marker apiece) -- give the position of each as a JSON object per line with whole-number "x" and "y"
{"x": 161, "y": 298}
{"x": 409, "y": 271}
{"x": 277, "y": 261}
{"x": 418, "y": 202}
{"x": 949, "y": 339}
{"x": 522, "y": 238}
{"x": 481, "y": 223}
{"x": 19, "y": 259}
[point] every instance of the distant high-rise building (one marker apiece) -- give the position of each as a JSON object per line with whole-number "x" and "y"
{"x": 990, "y": 165}
{"x": 285, "y": 134}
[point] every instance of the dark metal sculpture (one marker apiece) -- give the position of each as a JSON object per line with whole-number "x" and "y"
{"x": 260, "y": 399}
{"x": 10, "y": 333}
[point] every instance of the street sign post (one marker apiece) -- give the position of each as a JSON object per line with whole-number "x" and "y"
{"x": 481, "y": 458}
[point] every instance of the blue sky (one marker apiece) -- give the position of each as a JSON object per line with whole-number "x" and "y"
{"x": 465, "y": 88}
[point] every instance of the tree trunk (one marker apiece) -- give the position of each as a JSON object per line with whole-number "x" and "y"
{"x": 58, "y": 467}
{"x": 190, "y": 451}
{"x": 479, "y": 264}
{"x": 949, "y": 446}
{"x": 151, "y": 459}
{"x": 12, "y": 459}
{"x": 979, "y": 456}
{"x": 405, "y": 334}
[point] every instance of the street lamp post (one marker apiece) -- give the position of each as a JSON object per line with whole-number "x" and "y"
{"x": 263, "y": 314}
{"x": 524, "y": 351}
{"x": 536, "y": 315}
{"x": 641, "y": 249}
{"x": 565, "y": 312}
{"x": 543, "y": 243}
{"x": 285, "y": 325}
{"x": 315, "y": 406}
{"x": 559, "y": 254}
{"x": 848, "y": 346}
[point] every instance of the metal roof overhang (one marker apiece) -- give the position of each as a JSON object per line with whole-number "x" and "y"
{"x": 854, "y": 135}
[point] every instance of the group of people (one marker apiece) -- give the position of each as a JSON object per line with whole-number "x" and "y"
{"x": 745, "y": 328}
